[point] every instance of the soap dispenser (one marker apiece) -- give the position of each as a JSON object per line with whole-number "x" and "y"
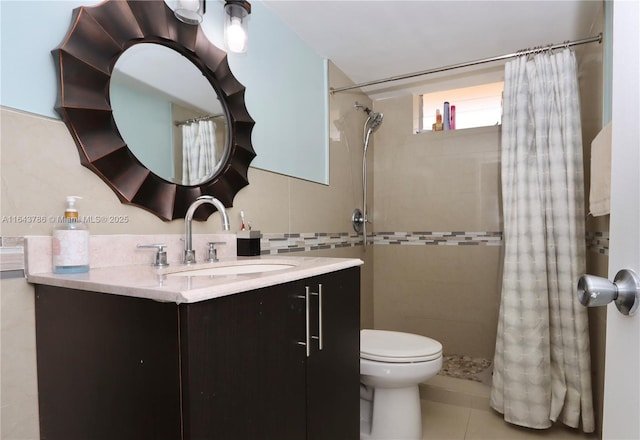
{"x": 70, "y": 242}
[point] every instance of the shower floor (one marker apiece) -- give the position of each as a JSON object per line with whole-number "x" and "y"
{"x": 466, "y": 367}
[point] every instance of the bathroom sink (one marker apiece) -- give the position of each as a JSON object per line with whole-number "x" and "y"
{"x": 233, "y": 269}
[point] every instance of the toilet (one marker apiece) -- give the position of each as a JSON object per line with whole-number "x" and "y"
{"x": 392, "y": 364}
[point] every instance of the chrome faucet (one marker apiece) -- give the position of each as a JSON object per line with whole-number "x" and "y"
{"x": 189, "y": 253}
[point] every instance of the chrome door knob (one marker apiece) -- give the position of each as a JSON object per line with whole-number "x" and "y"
{"x": 624, "y": 291}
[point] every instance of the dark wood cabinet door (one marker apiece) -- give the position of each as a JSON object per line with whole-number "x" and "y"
{"x": 107, "y": 366}
{"x": 243, "y": 370}
{"x": 283, "y": 379}
{"x": 333, "y": 373}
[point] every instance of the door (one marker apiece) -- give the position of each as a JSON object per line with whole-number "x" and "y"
{"x": 622, "y": 378}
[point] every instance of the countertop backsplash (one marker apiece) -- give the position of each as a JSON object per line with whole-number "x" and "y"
{"x": 122, "y": 250}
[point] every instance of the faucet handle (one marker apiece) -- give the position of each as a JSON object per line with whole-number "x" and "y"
{"x": 160, "y": 259}
{"x": 189, "y": 256}
{"x": 212, "y": 252}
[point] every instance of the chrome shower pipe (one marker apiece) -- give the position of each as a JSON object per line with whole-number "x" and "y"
{"x": 360, "y": 218}
{"x": 365, "y": 216}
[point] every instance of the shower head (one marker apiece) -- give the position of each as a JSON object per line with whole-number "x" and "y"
{"x": 373, "y": 121}
{"x": 376, "y": 120}
{"x": 371, "y": 124}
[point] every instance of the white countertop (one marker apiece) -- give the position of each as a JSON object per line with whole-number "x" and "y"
{"x": 145, "y": 281}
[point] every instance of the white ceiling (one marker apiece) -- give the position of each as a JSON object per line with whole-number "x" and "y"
{"x": 370, "y": 40}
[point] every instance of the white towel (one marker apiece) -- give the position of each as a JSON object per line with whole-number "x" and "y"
{"x": 600, "y": 192}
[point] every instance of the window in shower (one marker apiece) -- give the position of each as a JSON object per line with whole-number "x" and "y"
{"x": 477, "y": 106}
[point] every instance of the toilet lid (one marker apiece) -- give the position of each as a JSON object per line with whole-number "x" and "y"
{"x": 388, "y": 346}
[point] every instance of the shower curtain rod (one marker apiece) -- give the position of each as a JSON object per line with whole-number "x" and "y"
{"x": 198, "y": 119}
{"x": 597, "y": 38}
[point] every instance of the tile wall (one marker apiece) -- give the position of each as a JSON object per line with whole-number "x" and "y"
{"x": 446, "y": 187}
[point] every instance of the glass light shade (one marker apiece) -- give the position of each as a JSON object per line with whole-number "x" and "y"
{"x": 236, "y": 38}
{"x": 190, "y": 11}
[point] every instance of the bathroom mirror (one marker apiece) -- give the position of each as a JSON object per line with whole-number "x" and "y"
{"x": 85, "y": 62}
{"x": 172, "y": 119}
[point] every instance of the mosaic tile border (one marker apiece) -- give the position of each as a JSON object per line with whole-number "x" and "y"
{"x": 598, "y": 242}
{"x": 275, "y": 243}
{"x": 449, "y": 238}
{"x": 279, "y": 243}
{"x": 11, "y": 257}
{"x": 284, "y": 243}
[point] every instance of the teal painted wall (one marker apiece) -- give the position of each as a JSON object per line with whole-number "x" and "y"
{"x": 150, "y": 138}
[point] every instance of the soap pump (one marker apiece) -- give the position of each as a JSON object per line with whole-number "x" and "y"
{"x": 70, "y": 242}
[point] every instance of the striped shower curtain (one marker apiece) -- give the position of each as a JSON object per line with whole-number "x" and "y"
{"x": 542, "y": 362}
{"x": 198, "y": 152}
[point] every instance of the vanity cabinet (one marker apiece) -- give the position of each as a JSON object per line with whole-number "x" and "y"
{"x": 234, "y": 367}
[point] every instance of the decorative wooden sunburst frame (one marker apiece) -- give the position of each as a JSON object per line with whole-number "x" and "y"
{"x": 85, "y": 61}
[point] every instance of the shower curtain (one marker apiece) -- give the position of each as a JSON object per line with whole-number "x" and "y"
{"x": 198, "y": 151}
{"x": 542, "y": 361}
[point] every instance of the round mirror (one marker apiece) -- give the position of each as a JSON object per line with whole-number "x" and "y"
{"x": 169, "y": 114}
{"x": 85, "y": 62}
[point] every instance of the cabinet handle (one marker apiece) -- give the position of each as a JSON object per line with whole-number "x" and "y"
{"x": 319, "y": 295}
{"x": 306, "y": 323}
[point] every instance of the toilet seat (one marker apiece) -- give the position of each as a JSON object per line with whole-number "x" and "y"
{"x": 397, "y": 347}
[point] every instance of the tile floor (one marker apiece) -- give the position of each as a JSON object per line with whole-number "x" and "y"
{"x": 457, "y": 409}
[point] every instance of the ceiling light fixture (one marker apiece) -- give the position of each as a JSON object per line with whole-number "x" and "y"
{"x": 190, "y": 11}
{"x": 236, "y": 14}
